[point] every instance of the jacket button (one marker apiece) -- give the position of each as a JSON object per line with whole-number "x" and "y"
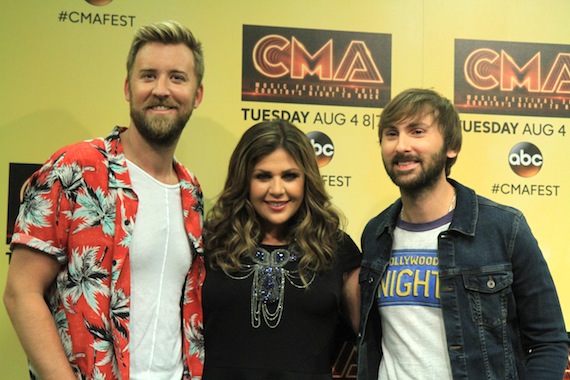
{"x": 491, "y": 283}
{"x": 370, "y": 280}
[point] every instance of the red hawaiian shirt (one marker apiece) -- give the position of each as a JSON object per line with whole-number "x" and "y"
{"x": 80, "y": 208}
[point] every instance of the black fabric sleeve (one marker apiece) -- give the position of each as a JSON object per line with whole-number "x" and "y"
{"x": 348, "y": 253}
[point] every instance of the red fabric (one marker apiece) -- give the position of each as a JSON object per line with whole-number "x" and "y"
{"x": 80, "y": 208}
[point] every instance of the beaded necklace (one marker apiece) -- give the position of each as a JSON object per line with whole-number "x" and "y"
{"x": 268, "y": 285}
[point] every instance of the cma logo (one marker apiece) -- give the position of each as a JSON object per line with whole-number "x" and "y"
{"x": 275, "y": 56}
{"x": 486, "y": 69}
{"x": 323, "y": 145}
{"x": 525, "y": 159}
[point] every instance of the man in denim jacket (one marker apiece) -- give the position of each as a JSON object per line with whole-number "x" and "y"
{"x": 453, "y": 285}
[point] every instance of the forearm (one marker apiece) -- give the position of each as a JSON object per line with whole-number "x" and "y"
{"x": 30, "y": 275}
{"x": 38, "y": 335}
{"x": 351, "y": 298}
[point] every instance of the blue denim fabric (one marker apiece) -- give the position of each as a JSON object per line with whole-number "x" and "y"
{"x": 501, "y": 312}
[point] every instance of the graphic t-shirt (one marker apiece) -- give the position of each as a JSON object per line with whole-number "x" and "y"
{"x": 413, "y": 335}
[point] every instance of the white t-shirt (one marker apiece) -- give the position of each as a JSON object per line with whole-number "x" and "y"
{"x": 413, "y": 336}
{"x": 160, "y": 258}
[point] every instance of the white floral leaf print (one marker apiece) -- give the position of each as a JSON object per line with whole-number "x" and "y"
{"x": 129, "y": 227}
{"x": 84, "y": 278}
{"x": 103, "y": 343}
{"x": 116, "y": 271}
{"x": 196, "y": 194}
{"x": 98, "y": 375}
{"x": 70, "y": 177}
{"x": 188, "y": 288}
{"x": 62, "y": 325}
{"x": 96, "y": 209}
{"x": 187, "y": 186}
{"x": 35, "y": 209}
{"x": 61, "y": 321}
{"x": 115, "y": 164}
{"x": 194, "y": 335}
{"x": 120, "y": 312}
{"x": 40, "y": 245}
{"x": 196, "y": 242}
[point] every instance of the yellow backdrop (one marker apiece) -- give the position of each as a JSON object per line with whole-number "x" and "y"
{"x": 63, "y": 68}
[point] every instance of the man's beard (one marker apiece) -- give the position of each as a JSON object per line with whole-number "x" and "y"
{"x": 423, "y": 181}
{"x": 157, "y": 129}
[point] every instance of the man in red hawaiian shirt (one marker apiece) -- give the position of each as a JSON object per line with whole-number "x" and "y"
{"x": 108, "y": 240}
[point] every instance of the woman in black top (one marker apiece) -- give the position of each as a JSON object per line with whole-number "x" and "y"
{"x": 280, "y": 272}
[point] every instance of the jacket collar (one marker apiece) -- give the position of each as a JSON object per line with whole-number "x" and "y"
{"x": 466, "y": 210}
{"x": 464, "y": 219}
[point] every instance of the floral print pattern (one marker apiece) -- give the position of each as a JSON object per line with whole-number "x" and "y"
{"x": 80, "y": 208}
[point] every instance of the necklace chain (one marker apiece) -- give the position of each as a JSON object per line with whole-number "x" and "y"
{"x": 268, "y": 285}
{"x": 451, "y": 205}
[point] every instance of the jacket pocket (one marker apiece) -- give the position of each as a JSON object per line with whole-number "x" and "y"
{"x": 488, "y": 290}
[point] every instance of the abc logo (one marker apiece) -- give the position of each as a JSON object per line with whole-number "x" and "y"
{"x": 525, "y": 159}
{"x": 324, "y": 148}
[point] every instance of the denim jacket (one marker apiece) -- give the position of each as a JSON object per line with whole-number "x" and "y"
{"x": 501, "y": 313}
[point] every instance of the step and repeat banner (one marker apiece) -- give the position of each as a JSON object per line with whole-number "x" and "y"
{"x": 327, "y": 66}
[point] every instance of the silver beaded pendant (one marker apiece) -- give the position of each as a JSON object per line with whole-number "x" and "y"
{"x": 268, "y": 286}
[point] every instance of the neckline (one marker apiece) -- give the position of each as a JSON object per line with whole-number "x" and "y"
{"x": 426, "y": 226}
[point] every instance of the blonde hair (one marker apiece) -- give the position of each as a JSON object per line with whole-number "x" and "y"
{"x": 167, "y": 32}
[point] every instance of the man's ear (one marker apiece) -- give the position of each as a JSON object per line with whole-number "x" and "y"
{"x": 451, "y": 153}
{"x": 127, "y": 90}
{"x": 199, "y": 96}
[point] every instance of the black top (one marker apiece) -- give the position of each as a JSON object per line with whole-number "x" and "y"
{"x": 300, "y": 346}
